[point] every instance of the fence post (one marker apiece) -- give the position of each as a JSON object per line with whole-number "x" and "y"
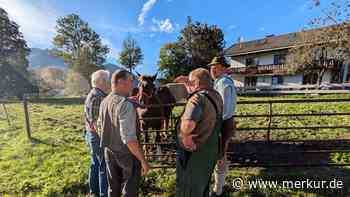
{"x": 270, "y": 122}
{"x": 7, "y": 115}
{"x": 26, "y": 116}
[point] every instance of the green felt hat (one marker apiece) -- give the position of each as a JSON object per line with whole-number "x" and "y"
{"x": 219, "y": 60}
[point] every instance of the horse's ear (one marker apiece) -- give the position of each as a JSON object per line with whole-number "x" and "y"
{"x": 155, "y": 76}
{"x": 138, "y": 74}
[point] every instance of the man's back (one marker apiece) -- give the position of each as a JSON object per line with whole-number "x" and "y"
{"x": 226, "y": 88}
{"x": 92, "y": 106}
{"x": 200, "y": 109}
{"x": 110, "y": 122}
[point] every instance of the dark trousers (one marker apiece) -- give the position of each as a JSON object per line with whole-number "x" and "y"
{"x": 97, "y": 170}
{"x": 123, "y": 174}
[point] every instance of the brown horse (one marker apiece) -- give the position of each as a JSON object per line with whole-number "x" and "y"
{"x": 156, "y": 118}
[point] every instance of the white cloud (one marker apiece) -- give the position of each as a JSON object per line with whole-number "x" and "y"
{"x": 163, "y": 25}
{"x": 113, "y": 51}
{"x": 262, "y": 29}
{"x": 145, "y": 9}
{"x": 37, "y": 20}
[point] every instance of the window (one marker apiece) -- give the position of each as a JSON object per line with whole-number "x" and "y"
{"x": 277, "y": 80}
{"x": 252, "y": 61}
{"x": 249, "y": 61}
{"x": 279, "y": 59}
{"x": 250, "y": 81}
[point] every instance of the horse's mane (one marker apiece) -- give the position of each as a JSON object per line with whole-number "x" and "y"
{"x": 146, "y": 78}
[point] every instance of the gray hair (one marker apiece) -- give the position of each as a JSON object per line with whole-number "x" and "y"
{"x": 98, "y": 76}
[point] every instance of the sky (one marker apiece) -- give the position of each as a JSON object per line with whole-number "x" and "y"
{"x": 156, "y": 22}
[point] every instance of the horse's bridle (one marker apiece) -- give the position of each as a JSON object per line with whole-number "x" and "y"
{"x": 143, "y": 94}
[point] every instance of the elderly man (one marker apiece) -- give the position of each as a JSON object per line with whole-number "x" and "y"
{"x": 100, "y": 88}
{"x": 198, "y": 136}
{"x": 226, "y": 88}
{"x": 119, "y": 140}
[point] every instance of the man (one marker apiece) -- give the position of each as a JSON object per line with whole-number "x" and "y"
{"x": 198, "y": 136}
{"x": 119, "y": 139}
{"x": 97, "y": 174}
{"x": 226, "y": 88}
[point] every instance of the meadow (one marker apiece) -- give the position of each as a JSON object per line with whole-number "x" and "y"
{"x": 55, "y": 162}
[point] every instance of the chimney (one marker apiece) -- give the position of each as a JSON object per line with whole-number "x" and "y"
{"x": 240, "y": 40}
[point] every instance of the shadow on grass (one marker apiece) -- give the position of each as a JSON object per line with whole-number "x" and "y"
{"x": 46, "y": 142}
{"x": 55, "y": 144}
{"x": 73, "y": 190}
{"x": 309, "y": 161}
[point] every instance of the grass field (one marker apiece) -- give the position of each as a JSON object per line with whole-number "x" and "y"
{"x": 55, "y": 163}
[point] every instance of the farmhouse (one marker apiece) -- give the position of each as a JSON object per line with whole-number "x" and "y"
{"x": 263, "y": 63}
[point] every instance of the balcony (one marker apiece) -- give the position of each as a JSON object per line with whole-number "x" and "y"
{"x": 260, "y": 69}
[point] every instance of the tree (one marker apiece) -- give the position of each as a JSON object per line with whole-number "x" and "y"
{"x": 131, "y": 54}
{"x": 172, "y": 59}
{"x": 13, "y": 47}
{"x": 196, "y": 46}
{"x": 79, "y": 45}
{"x": 327, "y": 45}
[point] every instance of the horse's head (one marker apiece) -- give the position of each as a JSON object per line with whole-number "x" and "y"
{"x": 146, "y": 87}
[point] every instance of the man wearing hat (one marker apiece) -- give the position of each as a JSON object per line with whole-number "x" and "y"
{"x": 223, "y": 84}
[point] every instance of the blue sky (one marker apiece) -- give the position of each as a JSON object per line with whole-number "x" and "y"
{"x": 155, "y": 22}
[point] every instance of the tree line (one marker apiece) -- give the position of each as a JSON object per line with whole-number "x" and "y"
{"x": 83, "y": 51}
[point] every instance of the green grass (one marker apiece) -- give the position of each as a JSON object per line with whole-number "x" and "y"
{"x": 56, "y": 162}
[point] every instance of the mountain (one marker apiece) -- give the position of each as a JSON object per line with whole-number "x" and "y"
{"x": 39, "y": 58}
{"x": 111, "y": 67}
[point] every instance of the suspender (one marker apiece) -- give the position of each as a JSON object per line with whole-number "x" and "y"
{"x": 211, "y": 101}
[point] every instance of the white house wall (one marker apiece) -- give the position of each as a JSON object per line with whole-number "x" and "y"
{"x": 239, "y": 80}
{"x": 266, "y": 59}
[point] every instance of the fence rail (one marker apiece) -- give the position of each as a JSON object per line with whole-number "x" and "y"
{"x": 338, "y": 146}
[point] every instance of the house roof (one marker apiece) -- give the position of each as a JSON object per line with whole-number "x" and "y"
{"x": 268, "y": 43}
{"x": 271, "y": 42}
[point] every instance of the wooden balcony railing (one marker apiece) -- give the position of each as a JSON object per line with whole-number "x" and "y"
{"x": 260, "y": 69}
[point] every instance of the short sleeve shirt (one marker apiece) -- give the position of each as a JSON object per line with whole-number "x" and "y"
{"x": 127, "y": 122}
{"x": 202, "y": 111}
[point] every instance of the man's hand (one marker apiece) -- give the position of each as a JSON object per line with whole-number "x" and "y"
{"x": 188, "y": 142}
{"x": 181, "y": 79}
{"x": 135, "y": 149}
{"x": 145, "y": 168}
{"x": 93, "y": 127}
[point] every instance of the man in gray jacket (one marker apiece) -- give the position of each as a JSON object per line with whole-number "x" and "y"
{"x": 117, "y": 124}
